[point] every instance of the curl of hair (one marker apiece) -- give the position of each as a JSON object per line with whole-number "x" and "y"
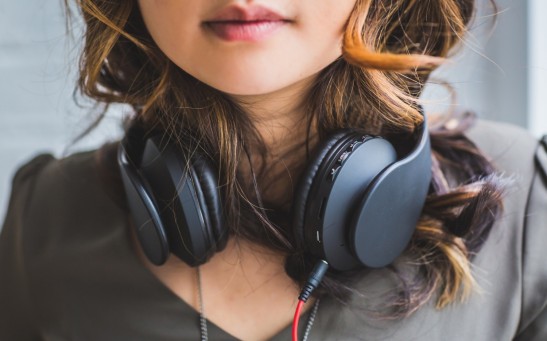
{"x": 389, "y": 50}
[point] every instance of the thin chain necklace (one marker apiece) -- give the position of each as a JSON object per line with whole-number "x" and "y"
{"x": 203, "y": 320}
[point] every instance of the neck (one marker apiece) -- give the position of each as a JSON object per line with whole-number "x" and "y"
{"x": 280, "y": 114}
{"x": 282, "y": 121}
{"x": 245, "y": 289}
{"x": 249, "y": 281}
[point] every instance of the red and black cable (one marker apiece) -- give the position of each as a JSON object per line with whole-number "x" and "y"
{"x": 316, "y": 276}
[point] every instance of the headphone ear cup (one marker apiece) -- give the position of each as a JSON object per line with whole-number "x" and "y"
{"x": 382, "y": 227}
{"x": 184, "y": 194}
{"x": 210, "y": 202}
{"x": 308, "y": 177}
{"x": 144, "y": 211}
{"x": 332, "y": 187}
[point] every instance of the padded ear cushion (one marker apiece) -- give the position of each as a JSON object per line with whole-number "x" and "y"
{"x": 182, "y": 204}
{"x": 301, "y": 198}
{"x": 210, "y": 199}
{"x": 144, "y": 210}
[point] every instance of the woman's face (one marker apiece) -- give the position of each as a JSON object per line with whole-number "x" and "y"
{"x": 246, "y": 47}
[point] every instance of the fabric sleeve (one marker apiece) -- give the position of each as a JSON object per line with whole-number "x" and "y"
{"x": 16, "y": 311}
{"x": 533, "y": 324}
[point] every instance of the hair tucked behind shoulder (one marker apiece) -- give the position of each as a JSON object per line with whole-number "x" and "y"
{"x": 390, "y": 48}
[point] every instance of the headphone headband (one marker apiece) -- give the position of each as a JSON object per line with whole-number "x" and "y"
{"x": 356, "y": 204}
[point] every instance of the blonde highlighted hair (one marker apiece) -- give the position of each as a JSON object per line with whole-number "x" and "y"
{"x": 389, "y": 49}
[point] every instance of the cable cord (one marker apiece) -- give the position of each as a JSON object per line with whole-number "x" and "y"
{"x": 311, "y": 319}
{"x": 296, "y": 320}
{"x": 202, "y": 319}
{"x": 315, "y": 278}
{"x": 313, "y": 281}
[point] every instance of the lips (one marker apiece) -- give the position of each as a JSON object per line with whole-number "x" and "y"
{"x": 253, "y": 23}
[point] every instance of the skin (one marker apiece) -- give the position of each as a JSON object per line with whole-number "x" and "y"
{"x": 268, "y": 77}
{"x": 246, "y": 291}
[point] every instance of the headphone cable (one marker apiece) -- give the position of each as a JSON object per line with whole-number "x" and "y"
{"x": 314, "y": 279}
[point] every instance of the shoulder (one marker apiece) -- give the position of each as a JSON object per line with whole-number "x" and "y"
{"x": 43, "y": 197}
{"x": 510, "y": 268}
{"x": 64, "y": 249}
{"x": 22, "y": 184}
{"x": 58, "y": 177}
{"x": 522, "y": 158}
{"x": 514, "y": 153}
{"x": 510, "y": 148}
{"x": 16, "y": 317}
{"x": 47, "y": 173}
{"x": 58, "y": 201}
{"x": 57, "y": 184}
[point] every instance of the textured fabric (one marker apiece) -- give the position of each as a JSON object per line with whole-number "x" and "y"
{"x": 68, "y": 270}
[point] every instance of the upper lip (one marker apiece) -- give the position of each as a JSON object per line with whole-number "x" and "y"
{"x": 248, "y": 13}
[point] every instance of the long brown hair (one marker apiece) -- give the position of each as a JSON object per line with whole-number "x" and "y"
{"x": 390, "y": 48}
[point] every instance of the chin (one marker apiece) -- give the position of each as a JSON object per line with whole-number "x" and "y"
{"x": 245, "y": 88}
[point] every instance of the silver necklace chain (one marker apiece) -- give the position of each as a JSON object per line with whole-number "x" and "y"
{"x": 203, "y": 320}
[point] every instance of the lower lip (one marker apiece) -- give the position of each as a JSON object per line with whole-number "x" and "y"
{"x": 245, "y": 30}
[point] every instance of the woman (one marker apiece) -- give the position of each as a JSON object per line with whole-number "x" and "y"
{"x": 249, "y": 98}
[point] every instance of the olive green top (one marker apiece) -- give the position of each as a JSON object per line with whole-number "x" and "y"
{"x": 68, "y": 270}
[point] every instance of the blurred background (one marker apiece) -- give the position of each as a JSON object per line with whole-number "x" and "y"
{"x": 500, "y": 73}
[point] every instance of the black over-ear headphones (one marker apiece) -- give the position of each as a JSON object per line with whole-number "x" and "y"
{"x": 356, "y": 203}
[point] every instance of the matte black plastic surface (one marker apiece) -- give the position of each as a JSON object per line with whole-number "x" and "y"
{"x": 354, "y": 176}
{"x": 150, "y": 230}
{"x": 387, "y": 215}
{"x": 179, "y": 206}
